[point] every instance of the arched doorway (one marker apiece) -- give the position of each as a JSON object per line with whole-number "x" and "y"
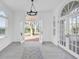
{"x": 69, "y": 28}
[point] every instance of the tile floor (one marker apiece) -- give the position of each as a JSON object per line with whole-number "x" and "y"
{"x": 32, "y": 50}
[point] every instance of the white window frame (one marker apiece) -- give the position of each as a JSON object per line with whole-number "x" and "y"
{"x": 6, "y": 24}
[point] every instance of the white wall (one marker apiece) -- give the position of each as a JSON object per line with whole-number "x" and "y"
{"x": 46, "y": 18}
{"x": 46, "y": 25}
{"x": 18, "y": 20}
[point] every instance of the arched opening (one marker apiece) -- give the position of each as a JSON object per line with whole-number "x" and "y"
{"x": 69, "y": 27}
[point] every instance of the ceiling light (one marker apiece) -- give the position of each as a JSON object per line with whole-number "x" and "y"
{"x": 32, "y": 11}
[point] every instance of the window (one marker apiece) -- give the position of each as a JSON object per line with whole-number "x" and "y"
{"x": 2, "y": 24}
{"x": 69, "y": 7}
{"x": 69, "y": 27}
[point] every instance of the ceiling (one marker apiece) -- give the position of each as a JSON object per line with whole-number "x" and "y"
{"x": 23, "y": 5}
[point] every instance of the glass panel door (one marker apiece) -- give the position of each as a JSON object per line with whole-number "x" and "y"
{"x": 69, "y": 33}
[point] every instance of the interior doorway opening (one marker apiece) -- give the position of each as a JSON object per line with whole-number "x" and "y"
{"x": 31, "y": 31}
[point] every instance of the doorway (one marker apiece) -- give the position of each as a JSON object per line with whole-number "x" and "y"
{"x": 31, "y": 31}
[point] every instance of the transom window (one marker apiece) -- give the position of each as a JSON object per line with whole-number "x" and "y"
{"x": 69, "y": 7}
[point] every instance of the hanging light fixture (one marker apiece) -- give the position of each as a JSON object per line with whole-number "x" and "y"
{"x": 32, "y": 11}
{"x": 31, "y": 15}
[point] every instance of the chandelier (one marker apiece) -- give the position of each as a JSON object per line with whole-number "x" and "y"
{"x": 32, "y": 11}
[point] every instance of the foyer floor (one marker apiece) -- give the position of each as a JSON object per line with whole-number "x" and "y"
{"x": 30, "y": 50}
